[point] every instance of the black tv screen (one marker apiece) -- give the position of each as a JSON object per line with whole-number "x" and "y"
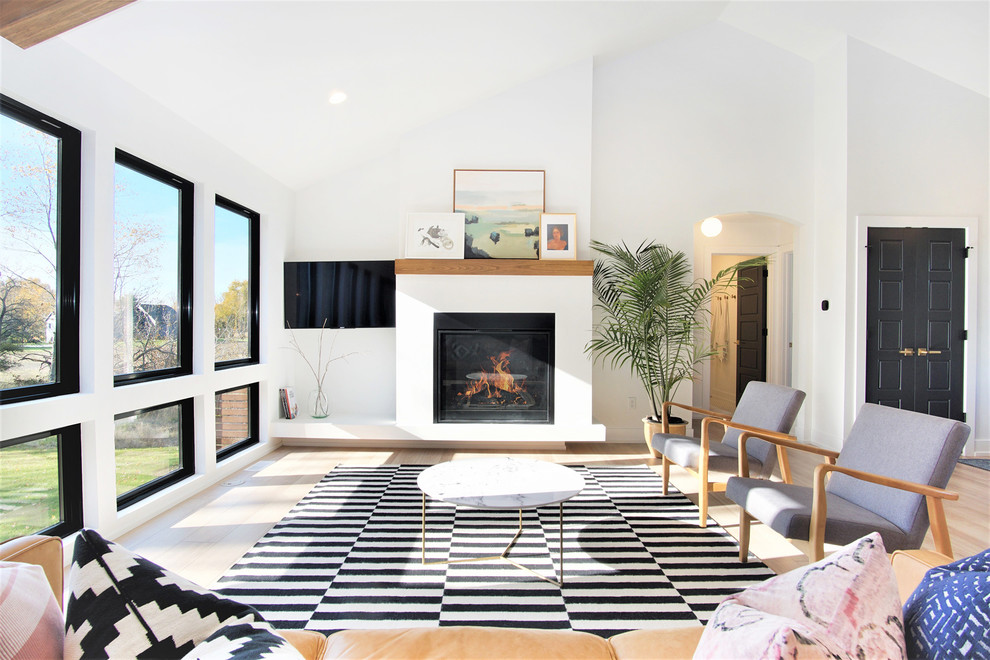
{"x": 341, "y": 294}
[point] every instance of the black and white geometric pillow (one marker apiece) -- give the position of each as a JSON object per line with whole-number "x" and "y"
{"x": 123, "y": 606}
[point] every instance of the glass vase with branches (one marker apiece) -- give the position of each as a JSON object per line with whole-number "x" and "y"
{"x": 319, "y": 403}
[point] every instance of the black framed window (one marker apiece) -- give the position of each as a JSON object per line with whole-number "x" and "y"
{"x": 40, "y": 160}
{"x": 237, "y": 242}
{"x": 236, "y": 419}
{"x": 153, "y": 272}
{"x": 41, "y": 484}
{"x": 153, "y": 448}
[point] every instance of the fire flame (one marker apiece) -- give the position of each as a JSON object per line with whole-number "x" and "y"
{"x": 499, "y": 384}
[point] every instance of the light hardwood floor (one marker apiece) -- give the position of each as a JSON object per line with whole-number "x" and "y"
{"x": 204, "y": 536}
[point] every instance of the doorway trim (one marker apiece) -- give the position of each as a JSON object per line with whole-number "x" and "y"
{"x": 775, "y": 320}
{"x": 971, "y": 226}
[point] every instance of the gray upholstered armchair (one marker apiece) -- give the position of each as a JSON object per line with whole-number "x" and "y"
{"x": 763, "y": 409}
{"x": 890, "y": 478}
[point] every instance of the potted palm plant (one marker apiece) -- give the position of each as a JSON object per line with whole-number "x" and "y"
{"x": 652, "y": 317}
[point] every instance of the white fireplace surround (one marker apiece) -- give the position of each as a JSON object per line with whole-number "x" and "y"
{"x": 568, "y": 297}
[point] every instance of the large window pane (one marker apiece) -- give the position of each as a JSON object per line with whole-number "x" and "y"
{"x": 236, "y": 419}
{"x": 39, "y": 254}
{"x": 153, "y": 449}
{"x": 235, "y": 282}
{"x": 32, "y": 497}
{"x": 152, "y": 271}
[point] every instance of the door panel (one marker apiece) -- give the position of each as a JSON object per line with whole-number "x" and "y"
{"x": 915, "y": 318}
{"x": 751, "y": 327}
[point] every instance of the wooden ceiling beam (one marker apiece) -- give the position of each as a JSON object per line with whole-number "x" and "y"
{"x": 26, "y": 23}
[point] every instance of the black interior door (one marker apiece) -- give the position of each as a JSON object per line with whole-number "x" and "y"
{"x": 915, "y": 319}
{"x": 751, "y": 327}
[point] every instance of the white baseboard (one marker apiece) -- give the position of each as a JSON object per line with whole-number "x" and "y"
{"x": 981, "y": 449}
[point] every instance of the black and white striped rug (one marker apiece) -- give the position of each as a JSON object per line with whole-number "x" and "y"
{"x": 348, "y": 555}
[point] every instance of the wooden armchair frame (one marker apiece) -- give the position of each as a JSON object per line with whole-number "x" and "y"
{"x": 704, "y": 485}
{"x": 816, "y": 531}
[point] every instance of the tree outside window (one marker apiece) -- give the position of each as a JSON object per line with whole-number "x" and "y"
{"x": 152, "y": 270}
{"x": 236, "y": 243}
{"x": 39, "y": 242}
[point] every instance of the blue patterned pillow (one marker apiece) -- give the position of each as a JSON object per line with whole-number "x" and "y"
{"x": 123, "y": 606}
{"x": 948, "y": 615}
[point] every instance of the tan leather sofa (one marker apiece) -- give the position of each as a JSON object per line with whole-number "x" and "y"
{"x": 474, "y": 642}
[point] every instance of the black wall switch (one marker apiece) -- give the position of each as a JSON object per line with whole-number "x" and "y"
{"x": 824, "y": 305}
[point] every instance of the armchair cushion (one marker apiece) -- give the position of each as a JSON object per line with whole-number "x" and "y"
{"x": 905, "y": 445}
{"x": 845, "y": 605}
{"x": 30, "y": 618}
{"x": 767, "y": 406}
{"x": 124, "y": 606}
{"x": 948, "y": 615}
{"x": 786, "y": 508}
{"x": 686, "y": 452}
{"x": 763, "y": 406}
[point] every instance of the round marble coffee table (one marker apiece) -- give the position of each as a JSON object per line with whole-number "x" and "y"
{"x": 501, "y": 483}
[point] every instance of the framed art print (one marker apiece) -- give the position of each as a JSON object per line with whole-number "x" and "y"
{"x": 435, "y": 236}
{"x": 501, "y": 212}
{"x": 558, "y": 238}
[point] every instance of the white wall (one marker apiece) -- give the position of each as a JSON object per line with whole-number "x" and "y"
{"x": 360, "y": 214}
{"x": 918, "y": 146}
{"x": 821, "y": 349}
{"x": 350, "y": 216}
{"x": 711, "y": 121}
{"x": 56, "y": 80}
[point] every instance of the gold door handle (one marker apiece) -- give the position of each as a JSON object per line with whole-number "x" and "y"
{"x": 925, "y": 351}
{"x": 906, "y": 351}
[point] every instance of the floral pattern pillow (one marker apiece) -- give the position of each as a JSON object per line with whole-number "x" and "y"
{"x": 845, "y": 605}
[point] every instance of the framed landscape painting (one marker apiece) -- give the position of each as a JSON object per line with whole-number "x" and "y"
{"x": 501, "y": 212}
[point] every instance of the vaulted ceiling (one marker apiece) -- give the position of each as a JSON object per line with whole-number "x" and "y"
{"x": 256, "y": 74}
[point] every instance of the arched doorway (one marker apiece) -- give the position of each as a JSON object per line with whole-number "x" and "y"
{"x": 743, "y": 236}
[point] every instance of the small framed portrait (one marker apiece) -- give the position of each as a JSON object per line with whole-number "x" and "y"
{"x": 558, "y": 239}
{"x": 435, "y": 236}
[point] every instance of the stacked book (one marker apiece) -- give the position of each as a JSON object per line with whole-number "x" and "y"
{"x": 287, "y": 402}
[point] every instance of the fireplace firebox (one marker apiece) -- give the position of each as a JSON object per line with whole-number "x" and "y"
{"x": 493, "y": 368}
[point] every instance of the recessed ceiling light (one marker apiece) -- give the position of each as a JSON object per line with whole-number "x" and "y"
{"x": 337, "y": 97}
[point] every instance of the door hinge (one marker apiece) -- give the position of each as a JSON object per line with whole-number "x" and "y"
{"x": 964, "y": 417}
{"x": 765, "y": 332}
{"x": 965, "y": 252}
{"x": 965, "y": 335}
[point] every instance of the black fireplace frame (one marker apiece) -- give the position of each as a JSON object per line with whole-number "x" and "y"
{"x": 481, "y": 322}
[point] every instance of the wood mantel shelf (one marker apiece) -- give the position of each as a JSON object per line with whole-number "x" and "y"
{"x": 493, "y": 267}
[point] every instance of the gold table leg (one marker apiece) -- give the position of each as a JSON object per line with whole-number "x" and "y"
{"x": 504, "y": 556}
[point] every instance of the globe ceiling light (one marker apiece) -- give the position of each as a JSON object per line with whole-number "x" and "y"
{"x": 711, "y": 227}
{"x": 337, "y": 96}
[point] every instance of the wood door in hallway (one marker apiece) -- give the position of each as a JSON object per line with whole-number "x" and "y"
{"x": 915, "y": 316}
{"x": 751, "y": 327}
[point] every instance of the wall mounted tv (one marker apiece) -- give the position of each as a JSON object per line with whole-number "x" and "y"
{"x": 344, "y": 294}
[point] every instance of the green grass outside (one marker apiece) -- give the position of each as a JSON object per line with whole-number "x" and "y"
{"x": 28, "y": 488}
{"x": 29, "y": 498}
